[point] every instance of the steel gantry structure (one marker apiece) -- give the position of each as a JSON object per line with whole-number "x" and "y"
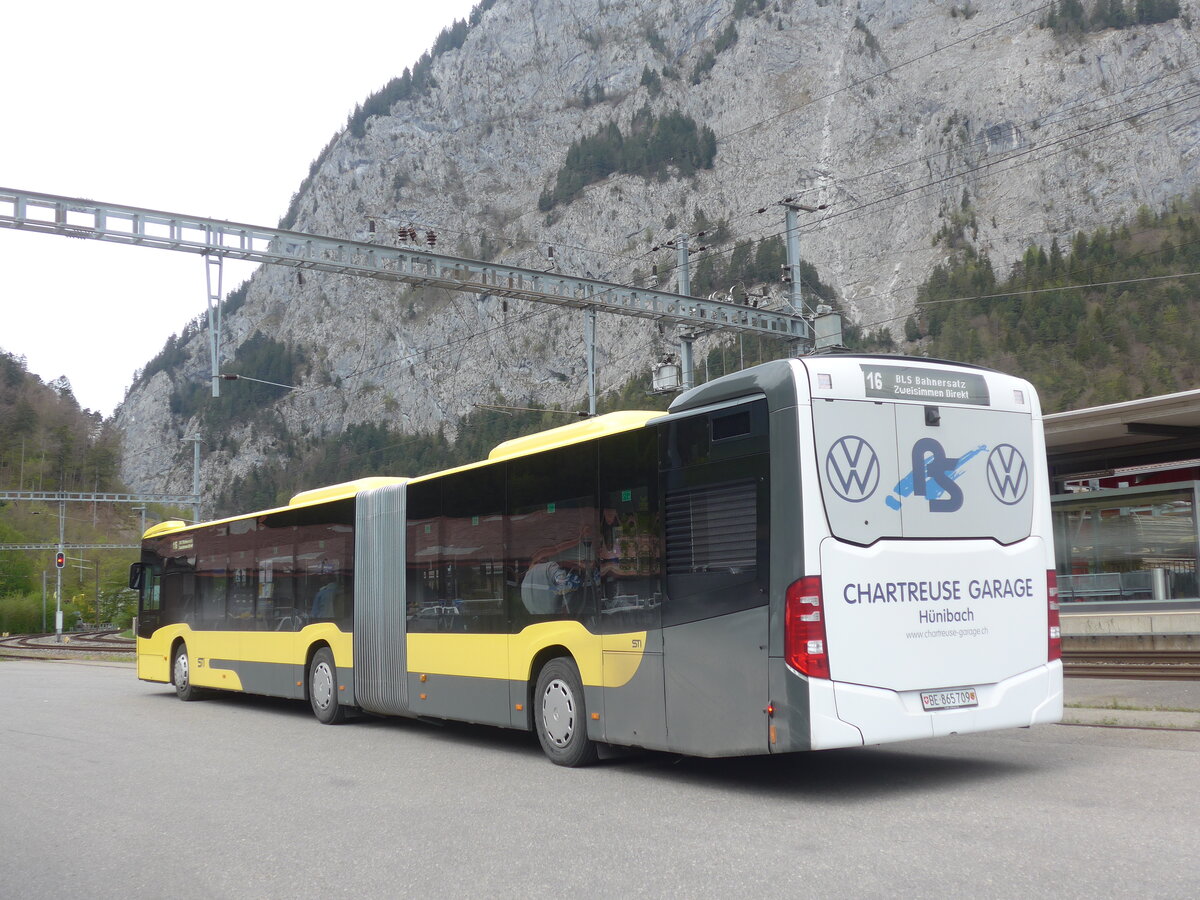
{"x": 216, "y": 240}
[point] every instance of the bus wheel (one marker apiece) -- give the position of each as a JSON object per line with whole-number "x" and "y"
{"x": 181, "y": 674}
{"x": 322, "y": 688}
{"x": 559, "y": 714}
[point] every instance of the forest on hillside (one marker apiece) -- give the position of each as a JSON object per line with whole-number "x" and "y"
{"x": 1112, "y": 315}
{"x": 49, "y": 444}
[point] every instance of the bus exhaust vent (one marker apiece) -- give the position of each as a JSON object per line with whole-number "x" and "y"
{"x": 712, "y": 529}
{"x": 380, "y": 663}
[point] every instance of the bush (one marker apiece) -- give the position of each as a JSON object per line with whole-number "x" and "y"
{"x": 22, "y": 614}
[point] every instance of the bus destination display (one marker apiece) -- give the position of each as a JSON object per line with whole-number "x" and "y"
{"x": 930, "y": 385}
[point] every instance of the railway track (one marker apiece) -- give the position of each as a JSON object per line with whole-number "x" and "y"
{"x": 73, "y": 643}
{"x": 1140, "y": 665}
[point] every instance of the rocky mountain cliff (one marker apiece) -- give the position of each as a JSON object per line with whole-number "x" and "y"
{"x": 923, "y": 126}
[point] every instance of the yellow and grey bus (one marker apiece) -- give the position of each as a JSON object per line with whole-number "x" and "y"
{"x": 812, "y": 553}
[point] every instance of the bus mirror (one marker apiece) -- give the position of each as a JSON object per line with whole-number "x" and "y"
{"x": 137, "y": 576}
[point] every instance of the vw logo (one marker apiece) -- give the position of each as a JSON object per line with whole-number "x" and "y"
{"x": 852, "y": 468}
{"x": 1007, "y": 474}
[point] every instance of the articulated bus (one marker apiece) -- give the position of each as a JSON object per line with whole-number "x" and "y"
{"x": 812, "y": 553}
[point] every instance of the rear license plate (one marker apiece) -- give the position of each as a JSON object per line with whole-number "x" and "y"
{"x": 949, "y": 699}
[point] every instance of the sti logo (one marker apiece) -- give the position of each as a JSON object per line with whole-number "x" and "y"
{"x": 852, "y": 468}
{"x": 1008, "y": 476}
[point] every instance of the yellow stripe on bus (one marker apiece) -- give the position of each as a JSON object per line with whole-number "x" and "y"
{"x": 499, "y": 656}
{"x": 510, "y": 656}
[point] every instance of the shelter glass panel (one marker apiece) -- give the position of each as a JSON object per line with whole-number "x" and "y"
{"x": 1122, "y": 545}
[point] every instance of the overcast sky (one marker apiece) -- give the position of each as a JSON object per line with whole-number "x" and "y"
{"x": 213, "y": 109}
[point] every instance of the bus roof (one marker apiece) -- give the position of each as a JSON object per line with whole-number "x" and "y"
{"x": 574, "y": 433}
{"x": 343, "y": 491}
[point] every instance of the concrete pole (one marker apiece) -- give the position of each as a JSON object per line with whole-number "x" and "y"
{"x": 214, "y": 271}
{"x": 685, "y": 289}
{"x": 589, "y": 340}
{"x": 681, "y": 257}
{"x": 196, "y": 440}
{"x": 196, "y": 479}
{"x": 685, "y": 361}
{"x": 793, "y": 255}
{"x": 62, "y": 526}
{"x": 793, "y": 252}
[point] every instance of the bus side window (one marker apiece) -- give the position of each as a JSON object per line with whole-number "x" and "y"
{"x": 422, "y": 538}
{"x": 243, "y": 585}
{"x": 178, "y": 591}
{"x": 630, "y": 548}
{"x": 553, "y": 524}
{"x": 213, "y": 586}
{"x": 304, "y": 565}
{"x": 212, "y": 570}
{"x": 151, "y": 598}
{"x": 276, "y": 582}
{"x": 472, "y": 552}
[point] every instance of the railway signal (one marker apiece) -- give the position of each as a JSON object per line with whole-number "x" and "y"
{"x": 60, "y": 560}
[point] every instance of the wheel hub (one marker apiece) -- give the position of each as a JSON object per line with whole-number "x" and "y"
{"x": 322, "y": 685}
{"x": 558, "y": 712}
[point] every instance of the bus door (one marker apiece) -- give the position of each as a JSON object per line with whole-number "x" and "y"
{"x": 150, "y": 665}
{"x": 149, "y": 598}
{"x": 630, "y": 591}
{"x": 715, "y": 614}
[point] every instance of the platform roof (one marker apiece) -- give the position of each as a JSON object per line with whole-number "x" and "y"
{"x": 1138, "y": 432}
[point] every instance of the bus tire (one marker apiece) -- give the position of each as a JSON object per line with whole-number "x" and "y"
{"x": 560, "y": 716}
{"x": 181, "y": 674}
{"x": 323, "y": 688}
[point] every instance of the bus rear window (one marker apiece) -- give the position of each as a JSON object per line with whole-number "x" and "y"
{"x": 891, "y": 470}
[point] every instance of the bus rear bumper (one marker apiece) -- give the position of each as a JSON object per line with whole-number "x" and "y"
{"x": 883, "y": 716}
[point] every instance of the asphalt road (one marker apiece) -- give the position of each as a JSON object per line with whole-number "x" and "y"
{"x": 113, "y": 788}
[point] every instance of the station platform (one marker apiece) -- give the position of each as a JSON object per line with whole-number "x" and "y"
{"x": 1131, "y": 626}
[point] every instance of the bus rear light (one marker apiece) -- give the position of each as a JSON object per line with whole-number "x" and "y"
{"x": 1054, "y": 626}
{"x": 804, "y": 645}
